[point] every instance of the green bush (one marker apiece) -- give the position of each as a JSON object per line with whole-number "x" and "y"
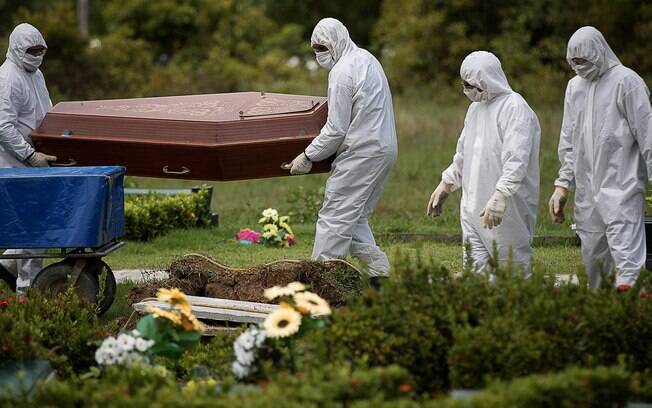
{"x": 137, "y": 386}
{"x": 152, "y": 215}
{"x": 63, "y": 330}
{"x": 465, "y": 331}
{"x": 305, "y": 203}
{"x": 600, "y": 387}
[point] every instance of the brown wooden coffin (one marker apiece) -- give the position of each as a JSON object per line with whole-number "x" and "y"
{"x": 232, "y": 136}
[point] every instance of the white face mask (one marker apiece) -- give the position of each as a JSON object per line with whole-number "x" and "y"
{"x": 586, "y": 70}
{"x": 475, "y": 95}
{"x": 325, "y": 59}
{"x": 31, "y": 63}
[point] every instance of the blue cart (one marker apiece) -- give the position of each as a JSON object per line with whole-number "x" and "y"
{"x": 76, "y": 214}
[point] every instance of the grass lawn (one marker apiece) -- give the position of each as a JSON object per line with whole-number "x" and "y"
{"x": 221, "y": 244}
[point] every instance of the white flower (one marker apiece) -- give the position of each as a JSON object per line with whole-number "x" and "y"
{"x": 246, "y": 340}
{"x": 239, "y": 370}
{"x": 294, "y": 61}
{"x": 259, "y": 334}
{"x": 136, "y": 333}
{"x": 270, "y": 213}
{"x": 245, "y": 358}
{"x": 311, "y": 65}
{"x": 99, "y": 356}
{"x": 143, "y": 345}
{"x": 126, "y": 342}
{"x": 110, "y": 344}
{"x": 110, "y": 359}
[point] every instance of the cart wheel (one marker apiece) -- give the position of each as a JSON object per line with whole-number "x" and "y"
{"x": 96, "y": 267}
{"x": 8, "y": 278}
{"x": 53, "y": 280}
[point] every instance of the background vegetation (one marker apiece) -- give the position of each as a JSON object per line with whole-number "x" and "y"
{"x": 140, "y": 48}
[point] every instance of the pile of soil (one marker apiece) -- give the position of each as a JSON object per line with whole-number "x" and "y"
{"x": 200, "y": 275}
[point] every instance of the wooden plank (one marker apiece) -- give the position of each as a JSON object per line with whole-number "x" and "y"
{"x": 210, "y": 313}
{"x": 232, "y": 304}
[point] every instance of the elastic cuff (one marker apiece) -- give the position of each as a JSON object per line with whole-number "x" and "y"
{"x": 503, "y": 192}
{"x": 307, "y": 157}
{"x": 565, "y": 185}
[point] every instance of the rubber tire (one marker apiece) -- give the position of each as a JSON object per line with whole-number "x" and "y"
{"x": 53, "y": 280}
{"x": 95, "y": 267}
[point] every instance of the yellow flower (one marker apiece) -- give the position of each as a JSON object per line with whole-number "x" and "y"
{"x": 190, "y": 323}
{"x": 311, "y": 303}
{"x": 282, "y": 322}
{"x": 174, "y": 297}
{"x": 193, "y": 386}
{"x": 271, "y": 228}
{"x": 289, "y": 290}
{"x": 158, "y": 312}
{"x": 296, "y": 287}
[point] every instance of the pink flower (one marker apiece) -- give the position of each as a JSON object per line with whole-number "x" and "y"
{"x": 247, "y": 234}
{"x": 291, "y": 239}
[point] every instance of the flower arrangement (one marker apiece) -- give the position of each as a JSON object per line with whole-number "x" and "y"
{"x": 248, "y": 236}
{"x": 298, "y": 312}
{"x": 161, "y": 332}
{"x": 125, "y": 349}
{"x": 276, "y": 231}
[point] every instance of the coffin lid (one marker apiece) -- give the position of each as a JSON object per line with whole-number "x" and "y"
{"x": 197, "y": 108}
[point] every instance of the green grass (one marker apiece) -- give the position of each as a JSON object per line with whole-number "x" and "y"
{"x": 221, "y": 244}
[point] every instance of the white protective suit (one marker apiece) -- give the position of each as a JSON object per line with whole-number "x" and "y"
{"x": 360, "y": 131}
{"x": 498, "y": 150}
{"x": 605, "y": 150}
{"x": 24, "y": 101}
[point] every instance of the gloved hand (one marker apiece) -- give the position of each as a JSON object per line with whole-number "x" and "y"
{"x": 557, "y": 203}
{"x": 437, "y": 198}
{"x": 38, "y": 159}
{"x": 300, "y": 165}
{"x": 492, "y": 214}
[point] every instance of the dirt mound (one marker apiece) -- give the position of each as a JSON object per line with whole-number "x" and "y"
{"x": 200, "y": 275}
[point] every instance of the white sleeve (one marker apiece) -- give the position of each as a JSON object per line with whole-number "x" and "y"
{"x": 566, "y": 176}
{"x": 521, "y": 133}
{"x": 10, "y": 138}
{"x": 639, "y": 117}
{"x": 340, "y": 104}
{"x": 453, "y": 174}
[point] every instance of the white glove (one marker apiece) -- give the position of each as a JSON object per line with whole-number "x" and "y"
{"x": 38, "y": 159}
{"x": 492, "y": 214}
{"x": 556, "y": 204}
{"x": 437, "y": 199}
{"x": 300, "y": 165}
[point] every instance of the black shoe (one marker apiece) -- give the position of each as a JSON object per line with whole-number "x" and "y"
{"x": 8, "y": 278}
{"x": 377, "y": 281}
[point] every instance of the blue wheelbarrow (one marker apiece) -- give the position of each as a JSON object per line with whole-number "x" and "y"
{"x": 75, "y": 214}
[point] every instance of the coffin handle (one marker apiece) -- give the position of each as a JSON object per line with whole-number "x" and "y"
{"x": 71, "y": 162}
{"x": 184, "y": 170}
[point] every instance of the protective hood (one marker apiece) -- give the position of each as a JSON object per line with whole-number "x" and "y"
{"x": 332, "y": 34}
{"x": 589, "y": 43}
{"x": 482, "y": 69}
{"x": 22, "y": 38}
